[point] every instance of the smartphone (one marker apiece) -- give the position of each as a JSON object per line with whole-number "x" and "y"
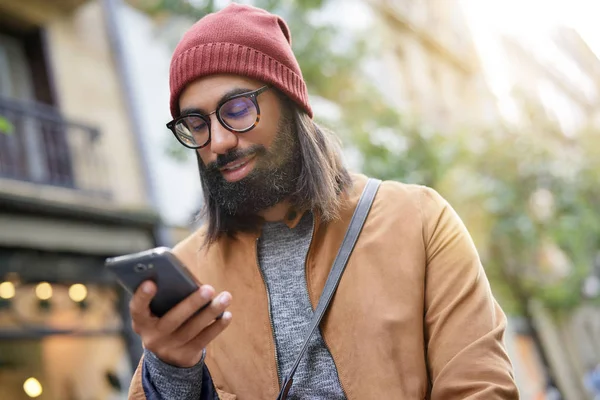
{"x": 173, "y": 280}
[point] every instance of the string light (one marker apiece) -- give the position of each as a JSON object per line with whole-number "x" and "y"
{"x": 78, "y": 292}
{"x": 7, "y": 290}
{"x": 32, "y": 387}
{"x": 43, "y": 291}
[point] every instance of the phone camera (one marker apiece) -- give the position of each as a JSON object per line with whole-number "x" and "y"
{"x": 140, "y": 267}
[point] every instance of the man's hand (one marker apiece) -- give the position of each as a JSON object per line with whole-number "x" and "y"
{"x": 178, "y": 337}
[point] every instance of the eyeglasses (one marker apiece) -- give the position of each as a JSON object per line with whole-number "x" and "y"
{"x": 238, "y": 114}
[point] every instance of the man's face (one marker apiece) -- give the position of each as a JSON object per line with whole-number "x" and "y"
{"x": 245, "y": 172}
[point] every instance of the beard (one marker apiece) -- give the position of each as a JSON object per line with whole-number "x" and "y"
{"x": 272, "y": 180}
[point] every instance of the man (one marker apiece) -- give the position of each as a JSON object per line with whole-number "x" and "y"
{"x": 413, "y": 316}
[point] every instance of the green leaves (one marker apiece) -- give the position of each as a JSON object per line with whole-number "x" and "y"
{"x": 6, "y": 127}
{"x": 528, "y": 194}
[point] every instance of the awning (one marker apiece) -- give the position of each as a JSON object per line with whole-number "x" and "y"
{"x": 60, "y": 235}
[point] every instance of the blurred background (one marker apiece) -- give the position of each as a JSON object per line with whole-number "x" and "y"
{"x": 494, "y": 103}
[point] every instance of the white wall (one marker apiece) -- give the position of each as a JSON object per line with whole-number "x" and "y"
{"x": 177, "y": 184}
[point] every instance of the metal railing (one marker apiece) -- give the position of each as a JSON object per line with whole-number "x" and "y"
{"x": 38, "y": 145}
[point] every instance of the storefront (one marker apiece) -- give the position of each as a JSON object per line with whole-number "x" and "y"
{"x": 65, "y": 331}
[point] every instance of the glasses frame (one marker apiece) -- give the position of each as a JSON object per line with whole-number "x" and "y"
{"x": 252, "y": 96}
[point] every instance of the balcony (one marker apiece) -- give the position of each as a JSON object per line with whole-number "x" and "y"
{"x": 39, "y": 146}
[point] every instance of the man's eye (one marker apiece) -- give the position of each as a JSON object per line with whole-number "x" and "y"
{"x": 237, "y": 108}
{"x": 199, "y": 127}
{"x": 238, "y": 112}
{"x": 195, "y": 124}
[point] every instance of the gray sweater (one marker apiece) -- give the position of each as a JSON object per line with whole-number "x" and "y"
{"x": 281, "y": 254}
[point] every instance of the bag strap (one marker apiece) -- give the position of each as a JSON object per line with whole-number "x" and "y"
{"x": 356, "y": 224}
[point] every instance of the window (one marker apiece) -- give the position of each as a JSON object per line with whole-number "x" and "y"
{"x": 37, "y": 150}
{"x": 15, "y": 76}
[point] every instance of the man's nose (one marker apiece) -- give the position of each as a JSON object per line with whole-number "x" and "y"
{"x": 222, "y": 140}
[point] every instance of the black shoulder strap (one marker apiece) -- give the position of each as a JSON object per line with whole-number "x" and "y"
{"x": 356, "y": 224}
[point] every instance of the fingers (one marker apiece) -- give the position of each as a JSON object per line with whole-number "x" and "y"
{"x": 139, "y": 306}
{"x": 179, "y": 314}
{"x": 202, "y": 320}
{"x": 190, "y": 354}
{"x": 212, "y": 331}
{"x": 180, "y": 335}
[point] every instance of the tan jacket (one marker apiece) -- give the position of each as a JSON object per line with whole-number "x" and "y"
{"x": 413, "y": 317}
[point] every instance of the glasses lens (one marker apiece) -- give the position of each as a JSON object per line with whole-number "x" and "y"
{"x": 193, "y": 131}
{"x": 238, "y": 114}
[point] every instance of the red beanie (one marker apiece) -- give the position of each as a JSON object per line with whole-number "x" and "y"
{"x": 239, "y": 40}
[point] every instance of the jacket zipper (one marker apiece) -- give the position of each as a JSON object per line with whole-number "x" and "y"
{"x": 337, "y": 375}
{"x": 270, "y": 315}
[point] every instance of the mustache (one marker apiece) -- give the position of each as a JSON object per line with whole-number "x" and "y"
{"x": 234, "y": 155}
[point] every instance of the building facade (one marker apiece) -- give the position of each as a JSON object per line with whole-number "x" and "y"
{"x": 73, "y": 191}
{"x": 560, "y": 77}
{"x": 554, "y": 79}
{"x": 432, "y": 66}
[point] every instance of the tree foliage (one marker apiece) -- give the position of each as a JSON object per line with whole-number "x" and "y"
{"x": 6, "y": 127}
{"x": 528, "y": 193}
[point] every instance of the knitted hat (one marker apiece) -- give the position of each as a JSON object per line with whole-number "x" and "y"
{"x": 240, "y": 40}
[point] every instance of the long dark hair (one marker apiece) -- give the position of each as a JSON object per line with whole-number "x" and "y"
{"x": 321, "y": 181}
